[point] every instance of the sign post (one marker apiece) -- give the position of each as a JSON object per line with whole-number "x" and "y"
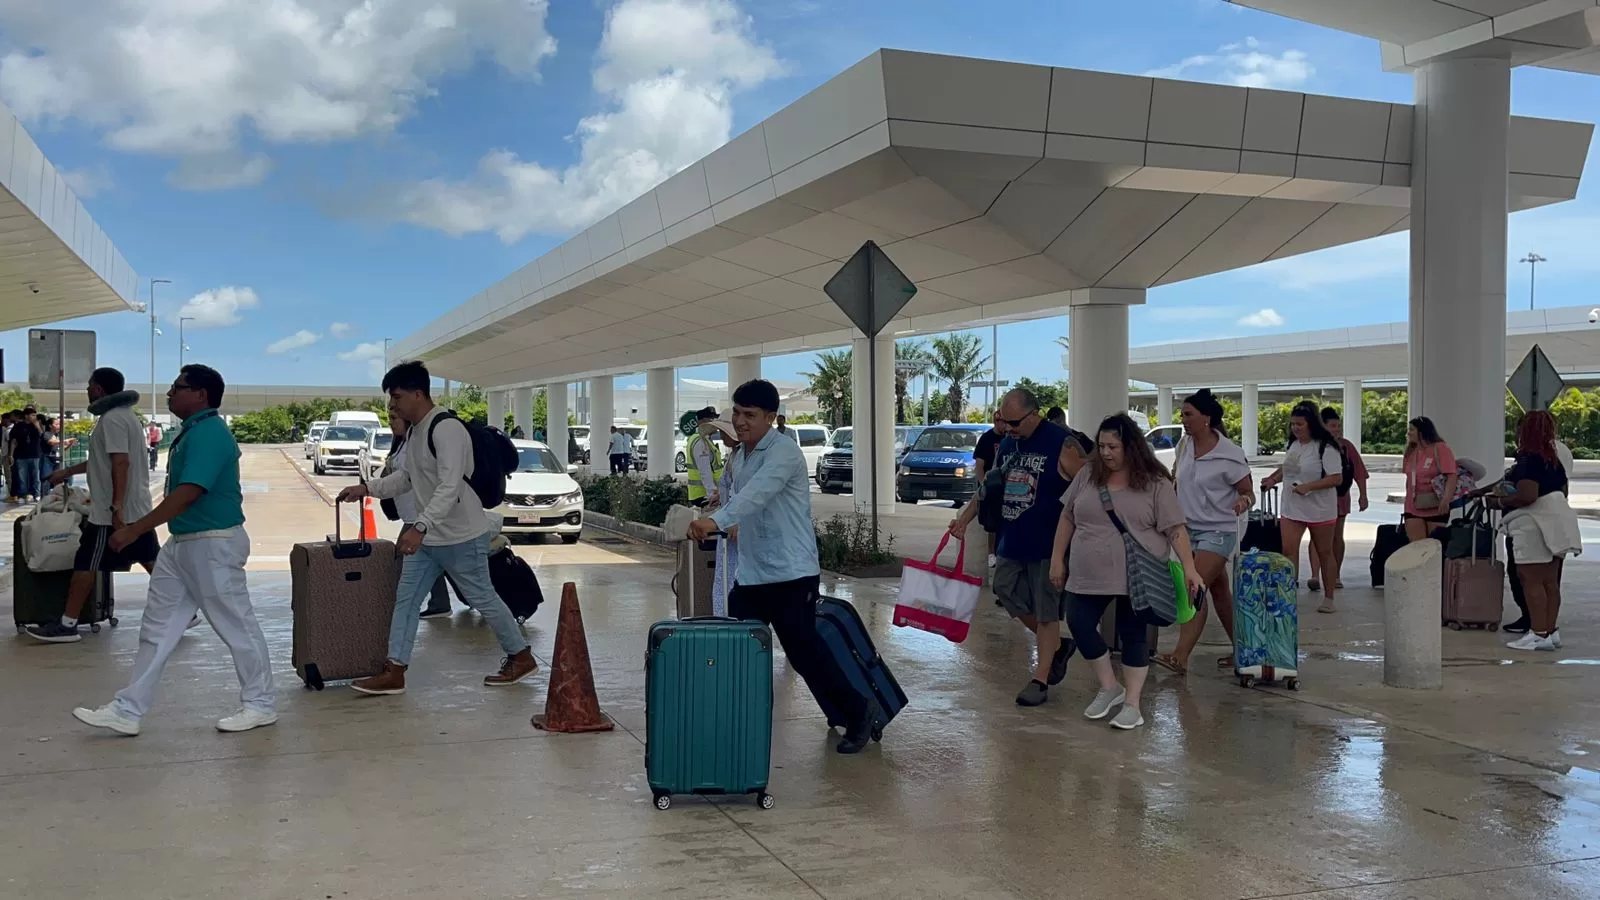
{"x": 56, "y": 357}
{"x": 1535, "y": 383}
{"x": 871, "y": 290}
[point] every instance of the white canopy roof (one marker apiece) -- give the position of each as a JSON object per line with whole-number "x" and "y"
{"x": 1554, "y": 34}
{"x": 997, "y": 187}
{"x": 55, "y": 262}
{"x": 1368, "y": 352}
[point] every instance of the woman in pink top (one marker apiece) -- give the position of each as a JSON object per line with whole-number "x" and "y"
{"x": 1427, "y": 458}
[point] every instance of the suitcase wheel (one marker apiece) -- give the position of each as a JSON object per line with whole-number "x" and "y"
{"x": 764, "y": 800}
{"x": 663, "y": 801}
{"x": 1453, "y": 626}
{"x": 1292, "y": 684}
{"x": 94, "y": 629}
{"x": 313, "y": 677}
{"x": 1493, "y": 626}
{"x": 877, "y": 733}
{"x": 1247, "y": 681}
{"x": 114, "y": 621}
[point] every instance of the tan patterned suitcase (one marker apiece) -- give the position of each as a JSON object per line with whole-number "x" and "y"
{"x": 343, "y": 600}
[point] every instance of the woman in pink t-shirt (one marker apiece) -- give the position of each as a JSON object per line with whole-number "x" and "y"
{"x": 1427, "y": 458}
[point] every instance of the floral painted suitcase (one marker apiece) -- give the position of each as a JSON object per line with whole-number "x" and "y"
{"x": 1266, "y": 628}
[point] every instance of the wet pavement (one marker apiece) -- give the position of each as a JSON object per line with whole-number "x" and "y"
{"x": 1345, "y": 789}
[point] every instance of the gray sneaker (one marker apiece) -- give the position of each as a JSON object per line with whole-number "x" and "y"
{"x": 1033, "y": 695}
{"x": 1127, "y": 718}
{"x": 1103, "y": 702}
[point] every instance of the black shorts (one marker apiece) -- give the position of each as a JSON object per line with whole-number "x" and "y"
{"x": 95, "y": 553}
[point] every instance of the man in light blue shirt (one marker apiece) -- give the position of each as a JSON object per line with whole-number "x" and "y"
{"x": 778, "y": 578}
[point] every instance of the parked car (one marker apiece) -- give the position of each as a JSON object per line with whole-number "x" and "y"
{"x": 541, "y": 498}
{"x": 314, "y": 434}
{"x": 813, "y": 440}
{"x": 375, "y": 453}
{"x": 836, "y": 469}
{"x": 340, "y": 448}
{"x": 579, "y": 435}
{"x": 641, "y": 448}
{"x": 940, "y": 465}
{"x": 1164, "y": 441}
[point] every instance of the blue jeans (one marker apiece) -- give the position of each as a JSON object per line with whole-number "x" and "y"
{"x": 467, "y": 564}
{"x": 27, "y": 478}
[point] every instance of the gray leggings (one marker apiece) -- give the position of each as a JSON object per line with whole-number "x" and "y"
{"x": 1084, "y": 612}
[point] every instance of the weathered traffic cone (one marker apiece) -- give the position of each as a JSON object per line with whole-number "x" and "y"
{"x": 571, "y": 706}
{"x": 369, "y": 522}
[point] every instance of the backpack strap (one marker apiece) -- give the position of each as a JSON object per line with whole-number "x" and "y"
{"x": 447, "y": 414}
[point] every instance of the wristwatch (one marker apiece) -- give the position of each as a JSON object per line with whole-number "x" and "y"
{"x": 419, "y": 527}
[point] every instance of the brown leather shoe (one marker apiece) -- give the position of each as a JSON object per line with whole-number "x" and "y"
{"x": 392, "y": 680}
{"x": 513, "y": 669}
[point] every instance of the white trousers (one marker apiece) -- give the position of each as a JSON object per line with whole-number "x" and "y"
{"x": 205, "y": 574}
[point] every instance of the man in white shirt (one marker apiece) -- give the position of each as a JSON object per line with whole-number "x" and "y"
{"x": 119, "y": 493}
{"x": 620, "y": 450}
{"x": 451, "y": 533}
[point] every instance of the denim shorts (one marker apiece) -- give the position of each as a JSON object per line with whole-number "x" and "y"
{"x": 1222, "y": 543}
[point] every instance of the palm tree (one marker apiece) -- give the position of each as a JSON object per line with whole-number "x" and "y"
{"x": 911, "y": 359}
{"x": 829, "y": 382}
{"x": 958, "y": 359}
{"x": 1064, "y": 343}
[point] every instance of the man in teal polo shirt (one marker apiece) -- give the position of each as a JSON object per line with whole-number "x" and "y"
{"x": 200, "y": 568}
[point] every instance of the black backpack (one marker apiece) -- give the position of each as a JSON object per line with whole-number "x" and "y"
{"x": 494, "y": 458}
{"x": 1347, "y": 471}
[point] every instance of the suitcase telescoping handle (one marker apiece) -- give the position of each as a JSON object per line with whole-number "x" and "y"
{"x": 343, "y": 549}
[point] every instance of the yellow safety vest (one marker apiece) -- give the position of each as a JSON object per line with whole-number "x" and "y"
{"x": 697, "y": 481}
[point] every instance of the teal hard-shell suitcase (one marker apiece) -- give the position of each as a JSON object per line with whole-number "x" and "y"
{"x": 708, "y": 708}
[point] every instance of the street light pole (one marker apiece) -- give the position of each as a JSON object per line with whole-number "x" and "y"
{"x": 181, "y": 345}
{"x": 386, "y": 343}
{"x": 153, "y": 333}
{"x": 1532, "y": 259}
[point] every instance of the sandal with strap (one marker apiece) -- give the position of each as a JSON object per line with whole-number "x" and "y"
{"x": 1170, "y": 663}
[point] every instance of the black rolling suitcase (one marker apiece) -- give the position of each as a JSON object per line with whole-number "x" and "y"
{"x": 38, "y": 598}
{"x": 1261, "y": 528}
{"x": 847, "y": 639}
{"x": 1390, "y": 538}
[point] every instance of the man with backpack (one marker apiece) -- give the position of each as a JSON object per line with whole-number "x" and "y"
{"x": 1353, "y": 474}
{"x": 450, "y": 467}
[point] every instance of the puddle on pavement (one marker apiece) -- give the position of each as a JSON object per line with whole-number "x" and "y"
{"x": 1578, "y": 662}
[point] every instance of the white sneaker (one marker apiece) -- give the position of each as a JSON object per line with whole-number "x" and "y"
{"x": 992, "y": 560}
{"x": 1103, "y": 701}
{"x": 1555, "y": 638}
{"x": 1531, "y": 641}
{"x": 1127, "y": 718}
{"x": 108, "y": 718}
{"x": 246, "y": 719}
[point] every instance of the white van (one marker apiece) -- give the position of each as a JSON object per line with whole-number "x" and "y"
{"x": 360, "y": 418}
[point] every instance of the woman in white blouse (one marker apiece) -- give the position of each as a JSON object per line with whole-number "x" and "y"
{"x": 1313, "y": 466}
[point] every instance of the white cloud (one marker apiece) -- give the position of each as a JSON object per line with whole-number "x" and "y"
{"x": 669, "y": 70}
{"x": 340, "y": 329}
{"x": 299, "y": 339}
{"x": 187, "y": 78}
{"x": 363, "y": 352}
{"x": 218, "y": 307}
{"x": 89, "y": 181}
{"x": 1246, "y": 64}
{"x": 1264, "y": 318}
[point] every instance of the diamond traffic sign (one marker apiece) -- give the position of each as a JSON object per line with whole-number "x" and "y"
{"x": 870, "y": 289}
{"x": 1535, "y": 382}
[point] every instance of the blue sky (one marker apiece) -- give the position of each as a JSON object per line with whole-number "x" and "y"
{"x": 320, "y": 179}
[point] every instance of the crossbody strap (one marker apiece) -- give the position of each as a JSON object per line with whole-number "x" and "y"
{"x": 1111, "y": 510}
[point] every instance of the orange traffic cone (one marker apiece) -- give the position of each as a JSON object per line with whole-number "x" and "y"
{"x": 571, "y": 706}
{"x": 369, "y": 522}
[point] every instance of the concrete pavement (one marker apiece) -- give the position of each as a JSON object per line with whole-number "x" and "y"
{"x": 1345, "y": 790}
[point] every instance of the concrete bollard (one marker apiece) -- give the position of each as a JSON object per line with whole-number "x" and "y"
{"x": 1413, "y": 584}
